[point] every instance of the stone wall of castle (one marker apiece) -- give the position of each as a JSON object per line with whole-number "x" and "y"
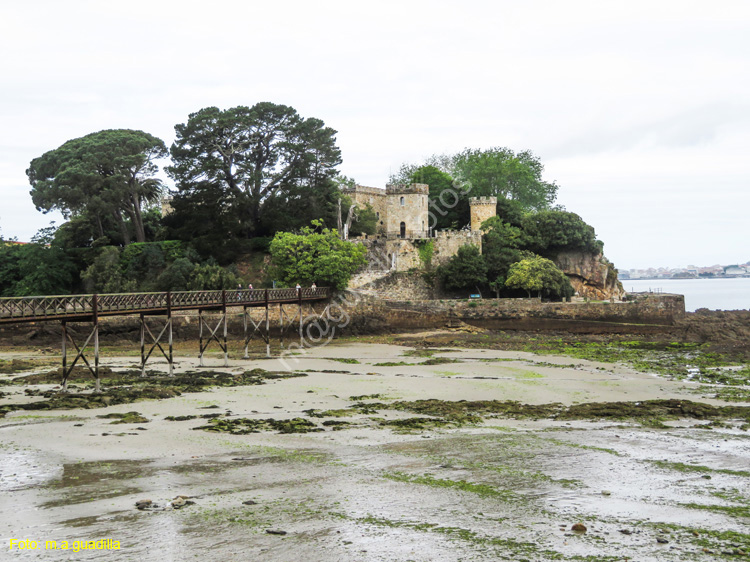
{"x": 373, "y": 196}
{"x": 396, "y": 254}
{"x": 482, "y": 208}
{"x": 407, "y": 204}
{"x": 446, "y": 244}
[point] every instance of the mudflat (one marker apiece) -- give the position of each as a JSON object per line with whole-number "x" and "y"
{"x": 416, "y": 449}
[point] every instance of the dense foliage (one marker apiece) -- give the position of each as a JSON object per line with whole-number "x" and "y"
{"x": 539, "y": 275}
{"x": 34, "y": 269}
{"x": 103, "y": 179}
{"x": 466, "y": 270}
{"x": 249, "y": 171}
{"x": 248, "y": 180}
{"x": 514, "y": 178}
{"x": 517, "y": 237}
{"x": 315, "y": 256}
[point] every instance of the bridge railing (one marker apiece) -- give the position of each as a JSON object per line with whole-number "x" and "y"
{"x": 60, "y": 306}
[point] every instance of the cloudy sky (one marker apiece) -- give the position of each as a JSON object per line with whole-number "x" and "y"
{"x": 640, "y": 110}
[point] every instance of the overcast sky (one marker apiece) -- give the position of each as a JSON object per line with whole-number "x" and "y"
{"x": 639, "y": 110}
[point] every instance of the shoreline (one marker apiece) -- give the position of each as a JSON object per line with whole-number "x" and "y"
{"x": 367, "y": 491}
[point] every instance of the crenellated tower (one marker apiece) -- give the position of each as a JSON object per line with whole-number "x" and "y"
{"x": 482, "y": 208}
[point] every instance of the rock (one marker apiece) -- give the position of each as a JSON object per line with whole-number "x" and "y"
{"x": 249, "y": 502}
{"x": 275, "y": 532}
{"x": 178, "y": 502}
{"x": 662, "y": 540}
{"x": 143, "y": 504}
{"x": 579, "y": 528}
{"x": 590, "y": 274}
{"x": 626, "y": 531}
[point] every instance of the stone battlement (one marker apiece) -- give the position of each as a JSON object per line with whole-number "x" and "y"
{"x": 446, "y": 234}
{"x": 364, "y": 189}
{"x": 483, "y": 201}
{"x": 398, "y": 189}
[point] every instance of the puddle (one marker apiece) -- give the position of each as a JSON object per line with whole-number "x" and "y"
{"x": 20, "y": 469}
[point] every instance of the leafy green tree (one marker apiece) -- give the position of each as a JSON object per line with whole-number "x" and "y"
{"x": 104, "y": 275}
{"x": 510, "y": 211}
{"x": 319, "y": 257}
{"x": 366, "y": 221}
{"x": 34, "y": 269}
{"x": 176, "y": 276}
{"x": 503, "y": 173}
{"x": 466, "y": 270}
{"x": 142, "y": 263}
{"x": 299, "y": 205}
{"x": 501, "y": 248}
{"x": 211, "y": 276}
{"x": 538, "y": 275}
{"x": 548, "y": 233}
{"x": 209, "y": 226}
{"x": 107, "y": 177}
{"x": 496, "y": 171}
{"x": 449, "y": 203}
{"x": 243, "y": 159}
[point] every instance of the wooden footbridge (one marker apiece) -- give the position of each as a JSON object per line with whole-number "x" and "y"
{"x": 90, "y": 308}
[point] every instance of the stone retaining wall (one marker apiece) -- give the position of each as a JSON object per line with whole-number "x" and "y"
{"x": 373, "y": 315}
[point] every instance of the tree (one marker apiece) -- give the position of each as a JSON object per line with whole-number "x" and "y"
{"x": 246, "y": 158}
{"x": 538, "y": 275}
{"x": 466, "y": 270}
{"x": 211, "y": 276}
{"x": 498, "y": 172}
{"x": 502, "y": 173}
{"x": 365, "y": 221}
{"x": 106, "y": 176}
{"x": 501, "y": 248}
{"x": 176, "y": 276}
{"x": 104, "y": 275}
{"x": 449, "y": 203}
{"x": 550, "y": 232}
{"x": 34, "y": 269}
{"x": 319, "y": 257}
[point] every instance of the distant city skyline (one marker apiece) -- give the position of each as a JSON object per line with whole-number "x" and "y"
{"x": 732, "y": 269}
{"x": 639, "y": 110}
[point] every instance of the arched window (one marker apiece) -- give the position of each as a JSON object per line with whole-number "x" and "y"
{"x": 403, "y": 229}
{"x": 402, "y": 201}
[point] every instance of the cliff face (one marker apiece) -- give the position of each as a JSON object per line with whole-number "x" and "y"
{"x": 591, "y": 275}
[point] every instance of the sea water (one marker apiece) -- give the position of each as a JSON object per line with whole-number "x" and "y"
{"x": 714, "y": 294}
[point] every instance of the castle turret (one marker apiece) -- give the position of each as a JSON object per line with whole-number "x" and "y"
{"x": 482, "y": 208}
{"x": 407, "y": 215}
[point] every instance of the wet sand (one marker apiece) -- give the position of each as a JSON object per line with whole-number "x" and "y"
{"x": 502, "y": 490}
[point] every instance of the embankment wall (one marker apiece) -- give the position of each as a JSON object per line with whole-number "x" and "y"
{"x": 363, "y": 314}
{"x": 645, "y": 314}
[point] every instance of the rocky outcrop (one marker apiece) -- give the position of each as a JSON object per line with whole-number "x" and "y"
{"x": 591, "y": 275}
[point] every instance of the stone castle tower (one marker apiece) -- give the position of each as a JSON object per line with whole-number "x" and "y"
{"x": 482, "y": 208}
{"x": 407, "y": 214}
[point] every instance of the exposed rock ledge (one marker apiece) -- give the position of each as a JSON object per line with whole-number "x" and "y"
{"x": 592, "y": 275}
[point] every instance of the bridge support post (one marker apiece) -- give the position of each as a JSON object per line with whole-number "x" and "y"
{"x": 224, "y": 314}
{"x": 268, "y": 330}
{"x": 156, "y": 341}
{"x": 257, "y": 327}
{"x": 299, "y": 308}
{"x": 290, "y": 319}
{"x": 80, "y": 351}
{"x": 213, "y": 331}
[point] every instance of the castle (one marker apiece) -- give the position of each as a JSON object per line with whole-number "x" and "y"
{"x": 405, "y": 226}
